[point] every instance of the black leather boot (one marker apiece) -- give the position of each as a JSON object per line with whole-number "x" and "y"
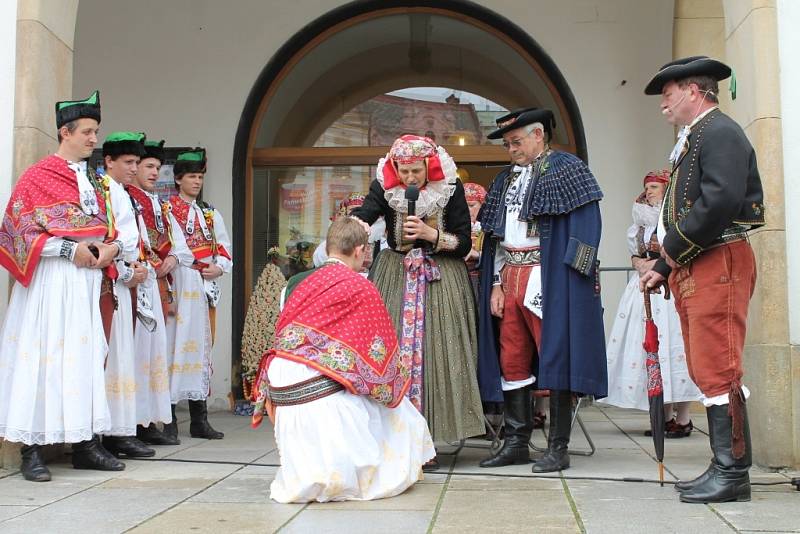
{"x": 518, "y": 419}
{"x": 90, "y": 454}
{"x": 683, "y": 485}
{"x": 171, "y": 429}
{"x": 199, "y": 427}
{"x": 153, "y": 436}
{"x": 729, "y": 478}
{"x": 33, "y": 467}
{"x": 557, "y": 458}
{"x": 127, "y": 446}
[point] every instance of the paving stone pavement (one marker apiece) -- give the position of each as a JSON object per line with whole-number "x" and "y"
{"x": 208, "y": 486}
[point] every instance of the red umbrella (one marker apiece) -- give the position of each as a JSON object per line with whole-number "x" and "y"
{"x": 655, "y": 384}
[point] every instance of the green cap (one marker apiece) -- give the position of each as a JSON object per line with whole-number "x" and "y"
{"x": 120, "y": 143}
{"x": 198, "y": 154}
{"x": 116, "y": 137}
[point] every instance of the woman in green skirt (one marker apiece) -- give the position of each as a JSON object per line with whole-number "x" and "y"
{"x": 423, "y": 280}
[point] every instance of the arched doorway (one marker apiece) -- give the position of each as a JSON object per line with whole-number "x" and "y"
{"x": 328, "y": 104}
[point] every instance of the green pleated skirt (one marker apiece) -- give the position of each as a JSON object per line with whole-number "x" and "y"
{"x": 452, "y": 402}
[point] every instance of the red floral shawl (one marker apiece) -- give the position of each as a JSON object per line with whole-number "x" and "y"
{"x": 201, "y": 247}
{"x": 335, "y": 322}
{"x": 45, "y": 203}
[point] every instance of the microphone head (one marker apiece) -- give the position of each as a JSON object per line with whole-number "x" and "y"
{"x": 412, "y": 193}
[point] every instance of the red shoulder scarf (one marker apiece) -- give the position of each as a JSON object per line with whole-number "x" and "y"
{"x": 201, "y": 247}
{"x": 45, "y": 203}
{"x": 159, "y": 240}
{"x": 335, "y": 322}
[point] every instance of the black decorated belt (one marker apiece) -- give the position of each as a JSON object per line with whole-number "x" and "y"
{"x": 529, "y": 256}
{"x": 304, "y": 392}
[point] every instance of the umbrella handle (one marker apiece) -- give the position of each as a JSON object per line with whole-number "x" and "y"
{"x": 648, "y": 311}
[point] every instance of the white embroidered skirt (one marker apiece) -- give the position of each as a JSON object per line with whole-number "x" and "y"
{"x": 189, "y": 338}
{"x": 152, "y": 373}
{"x": 344, "y": 446}
{"x": 627, "y": 374}
{"x": 52, "y": 385}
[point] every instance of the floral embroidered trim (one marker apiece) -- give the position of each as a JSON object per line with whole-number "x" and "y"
{"x": 434, "y": 195}
{"x": 447, "y": 241}
{"x": 584, "y": 256}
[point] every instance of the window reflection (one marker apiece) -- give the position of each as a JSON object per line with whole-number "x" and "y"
{"x": 292, "y": 208}
{"x": 448, "y": 117}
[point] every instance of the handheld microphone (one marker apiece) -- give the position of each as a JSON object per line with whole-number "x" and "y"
{"x": 412, "y": 194}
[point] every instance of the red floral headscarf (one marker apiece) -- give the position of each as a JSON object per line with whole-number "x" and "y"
{"x": 409, "y": 149}
{"x": 474, "y": 192}
{"x": 353, "y": 201}
{"x": 658, "y": 177}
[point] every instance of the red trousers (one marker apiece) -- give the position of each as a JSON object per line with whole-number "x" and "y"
{"x": 520, "y": 329}
{"x": 712, "y": 294}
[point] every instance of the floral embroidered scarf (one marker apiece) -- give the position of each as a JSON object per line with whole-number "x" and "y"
{"x": 202, "y": 246}
{"x": 45, "y": 203}
{"x": 335, "y": 322}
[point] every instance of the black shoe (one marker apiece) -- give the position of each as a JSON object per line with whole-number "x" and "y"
{"x": 677, "y": 430}
{"x": 153, "y": 436}
{"x": 557, "y": 457}
{"x": 431, "y": 466}
{"x": 90, "y": 454}
{"x": 200, "y": 427}
{"x": 728, "y": 478}
{"x": 518, "y": 424}
{"x": 33, "y": 467}
{"x": 171, "y": 429}
{"x": 127, "y": 446}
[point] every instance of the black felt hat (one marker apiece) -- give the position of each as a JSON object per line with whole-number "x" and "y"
{"x": 70, "y": 110}
{"x": 154, "y": 149}
{"x": 190, "y": 161}
{"x": 511, "y": 115}
{"x": 121, "y": 143}
{"x": 684, "y": 68}
{"x": 524, "y": 118}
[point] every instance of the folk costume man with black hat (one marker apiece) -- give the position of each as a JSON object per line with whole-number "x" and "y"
{"x": 121, "y": 154}
{"x": 713, "y": 200}
{"x": 204, "y": 253}
{"x": 150, "y": 336}
{"x": 539, "y": 277}
{"x": 56, "y": 233}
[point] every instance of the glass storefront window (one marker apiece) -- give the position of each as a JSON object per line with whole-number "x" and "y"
{"x": 293, "y": 207}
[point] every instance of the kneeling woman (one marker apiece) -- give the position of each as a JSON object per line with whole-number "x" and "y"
{"x": 334, "y": 384}
{"x": 424, "y": 282}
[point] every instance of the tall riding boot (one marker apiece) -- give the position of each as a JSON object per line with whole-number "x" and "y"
{"x": 557, "y": 457}
{"x": 33, "y": 467}
{"x": 171, "y": 429}
{"x": 90, "y": 454}
{"x": 199, "y": 427}
{"x": 683, "y": 485}
{"x": 518, "y": 418}
{"x": 729, "y": 478}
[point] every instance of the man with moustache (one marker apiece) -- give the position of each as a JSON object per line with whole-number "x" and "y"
{"x": 55, "y": 240}
{"x": 713, "y": 199}
{"x": 539, "y": 276}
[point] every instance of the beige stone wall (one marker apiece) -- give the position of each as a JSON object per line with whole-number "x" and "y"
{"x": 45, "y": 40}
{"x": 743, "y": 34}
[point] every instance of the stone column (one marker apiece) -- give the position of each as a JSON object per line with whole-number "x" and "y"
{"x": 751, "y": 46}
{"x": 45, "y": 38}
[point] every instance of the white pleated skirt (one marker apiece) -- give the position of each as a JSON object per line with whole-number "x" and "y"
{"x": 344, "y": 446}
{"x": 52, "y": 383}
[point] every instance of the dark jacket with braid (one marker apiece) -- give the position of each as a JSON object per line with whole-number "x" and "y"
{"x": 715, "y": 194}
